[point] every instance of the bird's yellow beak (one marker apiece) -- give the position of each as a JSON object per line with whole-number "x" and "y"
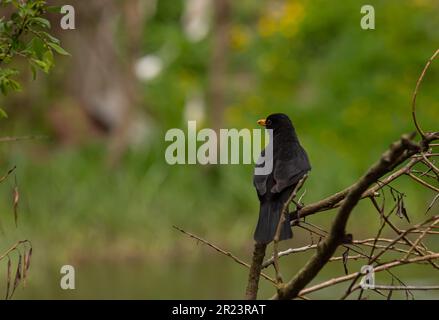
{"x": 262, "y": 122}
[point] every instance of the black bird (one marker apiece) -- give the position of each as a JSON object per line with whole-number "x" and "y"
{"x": 290, "y": 164}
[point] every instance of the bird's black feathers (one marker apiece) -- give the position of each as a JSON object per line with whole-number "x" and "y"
{"x": 290, "y": 164}
{"x": 269, "y": 215}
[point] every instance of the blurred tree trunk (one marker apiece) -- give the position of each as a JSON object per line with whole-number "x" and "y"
{"x": 219, "y": 62}
{"x": 101, "y": 79}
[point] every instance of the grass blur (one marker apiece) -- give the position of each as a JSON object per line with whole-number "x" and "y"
{"x": 347, "y": 90}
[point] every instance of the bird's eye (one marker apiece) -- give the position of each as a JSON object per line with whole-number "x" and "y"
{"x": 268, "y": 122}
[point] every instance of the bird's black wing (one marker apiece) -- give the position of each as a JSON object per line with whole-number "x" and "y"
{"x": 289, "y": 172}
{"x": 260, "y": 181}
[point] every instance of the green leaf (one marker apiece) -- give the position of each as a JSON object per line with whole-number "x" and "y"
{"x": 14, "y": 85}
{"x": 3, "y": 114}
{"x": 36, "y": 48}
{"x": 41, "y": 22}
{"x": 54, "y": 9}
{"x": 49, "y": 58}
{"x": 58, "y": 49}
{"x": 34, "y": 71}
{"x": 41, "y": 64}
{"x": 50, "y": 37}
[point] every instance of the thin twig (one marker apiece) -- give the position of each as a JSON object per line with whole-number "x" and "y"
{"x": 399, "y": 151}
{"x": 226, "y": 253}
{"x": 7, "y": 174}
{"x": 282, "y": 219}
{"x": 15, "y": 139}
{"x": 425, "y": 184}
{"x": 351, "y": 276}
{"x": 415, "y": 93}
{"x": 432, "y": 203}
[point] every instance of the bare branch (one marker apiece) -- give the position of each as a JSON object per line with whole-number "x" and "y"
{"x": 282, "y": 218}
{"x": 425, "y": 184}
{"x": 351, "y": 276}
{"x": 7, "y": 174}
{"x": 15, "y": 139}
{"x": 415, "y": 93}
{"x": 432, "y": 203}
{"x": 226, "y": 253}
{"x": 327, "y": 247}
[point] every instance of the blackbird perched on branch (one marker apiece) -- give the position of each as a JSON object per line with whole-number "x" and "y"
{"x": 289, "y": 164}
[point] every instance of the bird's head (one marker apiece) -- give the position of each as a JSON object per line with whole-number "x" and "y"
{"x": 276, "y": 121}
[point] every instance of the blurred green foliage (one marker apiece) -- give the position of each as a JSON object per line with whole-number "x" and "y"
{"x": 347, "y": 91}
{"x": 25, "y": 34}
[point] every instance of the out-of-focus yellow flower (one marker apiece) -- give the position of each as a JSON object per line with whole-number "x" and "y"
{"x": 239, "y": 38}
{"x": 266, "y": 63}
{"x": 236, "y": 113}
{"x": 283, "y": 18}
{"x": 355, "y": 114}
{"x": 255, "y": 102}
{"x": 424, "y": 3}
{"x": 330, "y": 138}
{"x": 266, "y": 26}
{"x": 293, "y": 16}
{"x": 433, "y": 111}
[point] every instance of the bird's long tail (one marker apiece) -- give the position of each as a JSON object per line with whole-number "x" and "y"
{"x": 269, "y": 215}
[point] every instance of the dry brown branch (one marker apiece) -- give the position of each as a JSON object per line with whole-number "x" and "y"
{"x": 365, "y": 242}
{"x": 334, "y": 200}
{"x": 7, "y": 174}
{"x": 356, "y": 257}
{"x": 405, "y": 288}
{"x": 23, "y": 250}
{"x": 401, "y": 235}
{"x": 404, "y": 157}
{"x": 251, "y": 291}
{"x": 282, "y": 218}
{"x": 15, "y": 139}
{"x": 432, "y": 203}
{"x": 288, "y": 252}
{"x": 415, "y": 94}
{"x": 226, "y": 253}
{"x": 429, "y": 163}
{"x": 13, "y": 248}
{"x": 419, "y": 239}
{"x": 428, "y": 232}
{"x": 404, "y": 148}
{"x": 351, "y": 276}
{"x": 425, "y": 184}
